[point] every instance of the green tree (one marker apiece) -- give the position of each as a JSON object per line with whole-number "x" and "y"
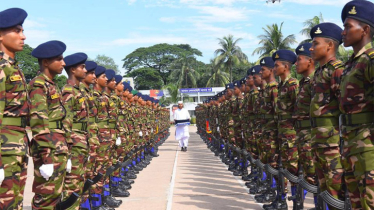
{"x": 309, "y": 24}
{"x": 107, "y": 62}
{"x": 28, "y": 64}
{"x": 218, "y": 77}
{"x": 273, "y": 40}
{"x": 146, "y": 79}
{"x": 229, "y": 54}
{"x": 173, "y": 91}
{"x": 344, "y": 54}
{"x": 159, "y": 57}
{"x": 184, "y": 75}
{"x": 60, "y": 80}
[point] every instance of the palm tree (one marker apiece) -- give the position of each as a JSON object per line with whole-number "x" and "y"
{"x": 229, "y": 54}
{"x": 344, "y": 54}
{"x": 173, "y": 92}
{"x": 309, "y": 24}
{"x": 218, "y": 77}
{"x": 183, "y": 74}
{"x": 273, "y": 40}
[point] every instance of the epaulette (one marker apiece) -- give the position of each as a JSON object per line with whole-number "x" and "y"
{"x": 67, "y": 89}
{"x": 272, "y": 84}
{"x": 95, "y": 93}
{"x": 39, "y": 82}
{"x": 337, "y": 64}
{"x": 292, "y": 81}
{"x": 370, "y": 53}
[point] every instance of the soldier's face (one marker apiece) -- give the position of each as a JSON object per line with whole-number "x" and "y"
{"x": 250, "y": 81}
{"x": 228, "y": 93}
{"x": 302, "y": 64}
{"x": 319, "y": 48}
{"x": 265, "y": 72}
{"x": 257, "y": 80}
{"x": 112, "y": 84}
{"x": 237, "y": 91}
{"x": 353, "y": 32}
{"x": 126, "y": 93}
{"x": 90, "y": 78}
{"x": 12, "y": 39}
{"x": 119, "y": 87}
{"x": 279, "y": 68}
{"x": 55, "y": 65}
{"x": 242, "y": 87}
{"x": 80, "y": 72}
{"x": 102, "y": 80}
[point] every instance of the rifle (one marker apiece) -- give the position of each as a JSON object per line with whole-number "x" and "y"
{"x": 62, "y": 205}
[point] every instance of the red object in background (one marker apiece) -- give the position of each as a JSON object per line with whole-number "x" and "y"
{"x": 156, "y": 93}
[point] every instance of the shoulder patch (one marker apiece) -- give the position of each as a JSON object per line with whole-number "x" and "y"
{"x": 67, "y": 89}
{"x": 337, "y": 64}
{"x": 292, "y": 82}
{"x": 370, "y": 53}
{"x": 39, "y": 82}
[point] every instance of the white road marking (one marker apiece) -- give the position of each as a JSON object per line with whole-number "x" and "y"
{"x": 172, "y": 183}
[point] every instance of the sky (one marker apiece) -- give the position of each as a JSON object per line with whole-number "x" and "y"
{"x": 118, "y": 27}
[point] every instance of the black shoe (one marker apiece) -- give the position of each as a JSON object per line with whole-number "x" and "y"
{"x": 185, "y": 149}
{"x": 117, "y": 192}
{"x": 131, "y": 176}
{"x": 238, "y": 173}
{"x": 102, "y": 208}
{"x": 127, "y": 181}
{"x": 137, "y": 168}
{"x": 111, "y": 202}
{"x": 154, "y": 154}
{"x": 124, "y": 186}
{"x": 182, "y": 149}
{"x": 281, "y": 205}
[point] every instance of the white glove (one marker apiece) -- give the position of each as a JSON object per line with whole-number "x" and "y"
{"x": 46, "y": 170}
{"x": 140, "y": 133}
{"x": 146, "y": 133}
{"x": 68, "y": 166}
{"x": 2, "y": 176}
{"x": 151, "y": 130}
{"x": 118, "y": 141}
{"x": 218, "y": 128}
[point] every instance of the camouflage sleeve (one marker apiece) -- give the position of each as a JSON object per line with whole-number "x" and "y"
{"x": 369, "y": 75}
{"x": 274, "y": 99}
{"x": 294, "y": 90}
{"x": 2, "y": 106}
{"x": 335, "y": 81}
{"x": 39, "y": 121}
{"x": 68, "y": 103}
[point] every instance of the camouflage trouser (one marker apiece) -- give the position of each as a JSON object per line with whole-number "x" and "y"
{"x": 329, "y": 170}
{"x": 289, "y": 151}
{"x": 270, "y": 147}
{"x": 48, "y": 193}
{"x": 74, "y": 180}
{"x": 101, "y": 164}
{"x": 359, "y": 169}
{"x": 113, "y": 153}
{"x": 12, "y": 188}
{"x": 90, "y": 172}
{"x": 303, "y": 140}
{"x": 121, "y": 153}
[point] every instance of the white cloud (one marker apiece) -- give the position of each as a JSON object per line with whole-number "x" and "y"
{"x": 130, "y": 2}
{"x": 168, "y": 19}
{"x": 141, "y": 40}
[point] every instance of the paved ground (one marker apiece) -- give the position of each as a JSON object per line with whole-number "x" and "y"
{"x": 183, "y": 180}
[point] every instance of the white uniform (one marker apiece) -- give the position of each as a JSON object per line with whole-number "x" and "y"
{"x": 182, "y": 134}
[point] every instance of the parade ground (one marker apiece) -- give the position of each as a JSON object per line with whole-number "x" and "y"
{"x": 177, "y": 180}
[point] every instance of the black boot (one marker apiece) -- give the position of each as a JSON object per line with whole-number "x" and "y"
{"x": 109, "y": 201}
{"x": 117, "y": 192}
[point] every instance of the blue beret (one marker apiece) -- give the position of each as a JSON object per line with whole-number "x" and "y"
{"x": 118, "y": 78}
{"x": 360, "y": 10}
{"x": 243, "y": 80}
{"x": 75, "y": 59}
{"x": 100, "y": 70}
{"x": 90, "y": 66}
{"x": 237, "y": 83}
{"x": 110, "y": 73}
{"x": 139, "y": 94}
{"x": 229, "y": 86}
{"x": 125, "y": 85}
{"x": 285, "y": 55}
{"x": 255, "y": 70}
{"x": 49, "y": 49}
{"x": 12, "y": 17}
{"x": 267, "y": 61}
{"x": 303, "y": 49}
{"x": 327, "y": 30}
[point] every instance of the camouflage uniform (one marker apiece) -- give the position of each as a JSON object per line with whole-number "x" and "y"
{"x": 324, "y": 112}
{"x": 269, "y": 122}
{"x": 92, "y": 129}
{"x": 303, "y": 126}
{"x": 257, "y": 128}
{"x": 115, "y": 104}
{"x": 14, "y": 110}
{"x": 75, "y": 124}
{"x": 252, "y": 146}
{"x": 287, "y": 94}
{"x": 49, "y": 143}
{"x": 356, "y": 103}
{"x": 104, "y": 135}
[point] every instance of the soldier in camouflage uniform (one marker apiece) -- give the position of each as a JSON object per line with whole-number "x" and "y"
{"x": 230, "y": 129}
{"x": 93, "y": 140}
{"x": 49, "y": 147}
{"x": 305, "y": 67}
{"x": 14, "y": 112}
{"x": 324, "y": 110}
{"x": 287, "y": 93}
{"x": 75, "y": 125}
{"x": 356, "y": 103}
{"x": 236, "y": 106}
{"x": 105, "y": 139}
